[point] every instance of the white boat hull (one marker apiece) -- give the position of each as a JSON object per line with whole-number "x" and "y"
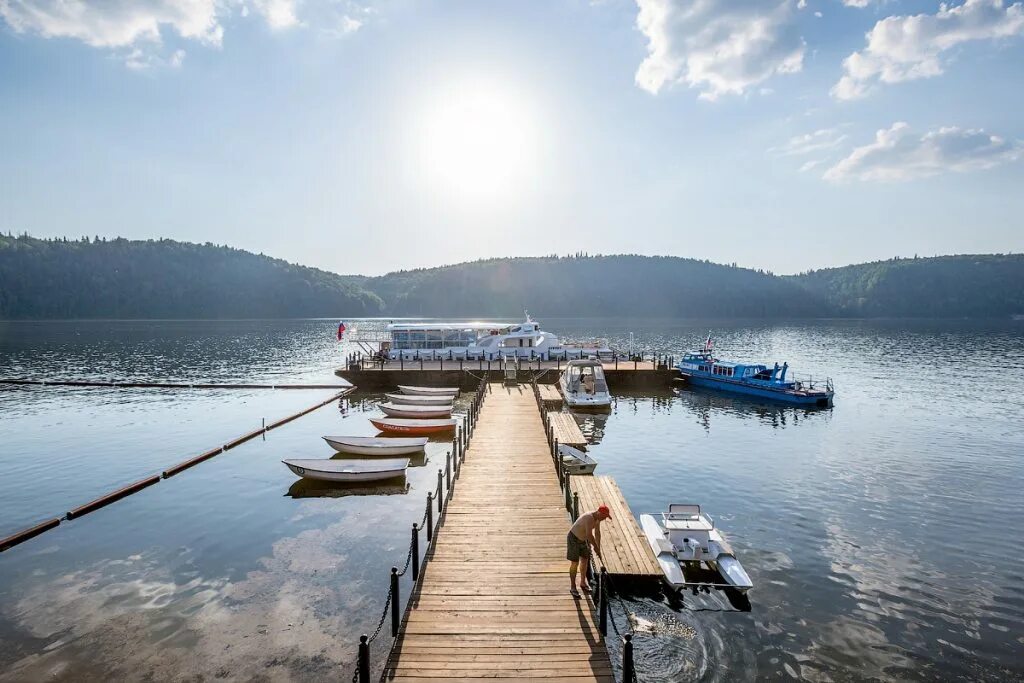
{"x": 348, "y": 470}
{"x": 413, "y": 412}
{"x": 429, "y": 391}
{"x": 376, "y": 446}
{"x": 409, "y": 399}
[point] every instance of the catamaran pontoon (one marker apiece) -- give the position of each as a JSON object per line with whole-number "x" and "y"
{"x": 685, "y": 535}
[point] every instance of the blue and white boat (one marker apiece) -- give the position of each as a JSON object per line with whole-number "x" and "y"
{"x": 701, "y": 368}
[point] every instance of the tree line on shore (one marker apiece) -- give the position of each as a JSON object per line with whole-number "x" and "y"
{"x": 120, "y": 278}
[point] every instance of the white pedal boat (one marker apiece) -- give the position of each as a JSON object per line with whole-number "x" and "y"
{"x": 429, "y": 391}
{"x": 684, "y": 535}
{"x": 405, "y": 399}
{"x": 372, "y": 445}
{"x": 348, "y": 470}
{"x": 576, "y": 461}
{"x": 395, "y": 410}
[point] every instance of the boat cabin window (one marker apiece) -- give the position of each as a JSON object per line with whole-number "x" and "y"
{"x": 432, "y": 339}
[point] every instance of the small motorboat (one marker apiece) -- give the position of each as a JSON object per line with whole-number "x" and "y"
{"x": 429, "y": 391}
{"x": 584, "y": 387}
{"x": 576, "y": 461}
{"x": 372, "y": 445}
{"x": 395, "y": 410}
{"x": 440, "y": 400}
{"x": 395, "y": 425}
{"x": 685, "y": 535}
{"x": 348, "y": 470}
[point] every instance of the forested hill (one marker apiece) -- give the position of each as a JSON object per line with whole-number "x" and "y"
{"x": 967, "y": 286}
{"x": 164, "y": 279}
{"x": 587, "y": 286}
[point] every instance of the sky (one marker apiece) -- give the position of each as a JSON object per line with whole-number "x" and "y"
{"x": 365, "y": 136}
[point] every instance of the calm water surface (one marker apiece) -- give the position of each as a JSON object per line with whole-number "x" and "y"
{"x": 885, "y": 537}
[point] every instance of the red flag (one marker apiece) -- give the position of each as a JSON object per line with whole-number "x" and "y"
{"x": 341, "y": 330}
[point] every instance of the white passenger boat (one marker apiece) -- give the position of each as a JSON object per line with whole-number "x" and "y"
{"x": 576, "y": 461}
{"x": 450, "y": 392}
{"x": 372, "y": 445}
{"x": 395, "y": 410}
{"x": 412, "y": 400}
{"x": 685, "y": 535}
{"x": 584, "y": 386}
{"x": 472, "y": 341}
{"x": 348, "y": 470}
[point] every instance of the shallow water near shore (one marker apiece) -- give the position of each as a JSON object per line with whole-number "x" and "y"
{"x": 883, "y": 536}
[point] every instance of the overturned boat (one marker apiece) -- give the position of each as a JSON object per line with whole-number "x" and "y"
{"x": 348, "y": 470}
{"x": 684, "y": 535}
{"x": 413, "y": 400}
{"x": 575, "y": 461}
{"x": 451, "y": 392}
{"x": 373, "y": 445}
{"x": 396, "y": 410}
{"x": 397, "y": 425}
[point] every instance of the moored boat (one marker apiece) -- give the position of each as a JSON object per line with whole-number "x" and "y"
{"x": 372, "y": 445}
{"x": 701, "y": 368}
{"x": 576, "y": 461}
{"x": 348, "y": 470}
{"x": 584, "y": 386}
{"x": 451, "y": 392}
{"x": 684, "y": 535}
{"x": 413, "y": 400}
{"x": 395, "y": 425}
{"x": 395, "y": 410}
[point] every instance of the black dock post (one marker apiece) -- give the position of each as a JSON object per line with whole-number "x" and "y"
{"x": 440, "y": 490}
{"x": 394, "y": 602}
{"x": 364, "y": 659}
{"x": 575, "y": 506}
{"x": 430, "y": 517}
{"x": 628, "y": 672}
{"x": 602, "y": 598}
{"x": 415, "y": 552}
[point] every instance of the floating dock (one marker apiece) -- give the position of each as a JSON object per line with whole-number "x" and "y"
{"x": 550, "y": 395}
{"x": 625, "y": 550}
{"x": 370, "y": 376}
{"x": 566, "y": 430}
{"x": 493, "y": 599}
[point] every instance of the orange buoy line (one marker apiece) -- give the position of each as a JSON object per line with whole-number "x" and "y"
{"x": 124, "y": 491}
{"x": 163, "y": 385}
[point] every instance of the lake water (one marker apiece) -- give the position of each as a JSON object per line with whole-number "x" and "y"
{"x": 885, "y": 537}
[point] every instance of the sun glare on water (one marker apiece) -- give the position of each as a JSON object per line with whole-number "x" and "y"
{"x": 478, "y": 143}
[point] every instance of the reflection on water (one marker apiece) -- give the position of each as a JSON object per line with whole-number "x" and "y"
{"x": 313, "y": 488}
{"x": 884, "y": 537}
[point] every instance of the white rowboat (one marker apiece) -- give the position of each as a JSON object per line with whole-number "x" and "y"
{"x": 444, "y": 400}
{"x": 348, "y": 470}
{"x": 429, "y": 391}
{"x": 394, "y": 425}
{"x": 576, "y": 461}
{"x": 395, "y": 410}
{"x": 371, "y": 445}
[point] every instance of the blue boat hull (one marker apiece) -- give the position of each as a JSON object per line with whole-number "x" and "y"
{"x": 817, "y": 400}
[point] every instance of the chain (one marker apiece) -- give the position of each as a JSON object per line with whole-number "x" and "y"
{"x": 383, "y": 618}
{"x": 408, "y": 561}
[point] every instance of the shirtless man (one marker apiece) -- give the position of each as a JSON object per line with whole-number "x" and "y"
{"x": 584, "y": 533}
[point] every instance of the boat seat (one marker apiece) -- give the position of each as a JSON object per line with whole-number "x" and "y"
{"x": 680, "y": 510}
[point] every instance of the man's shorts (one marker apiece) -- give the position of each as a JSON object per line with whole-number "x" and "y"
{"x": 575, "y": 548}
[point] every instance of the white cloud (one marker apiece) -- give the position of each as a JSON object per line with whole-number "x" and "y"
{"x": 278, "y": 13}
{"x": 809, "y": 143}
{"x": 807, "y": 166}
{"x": 116, "y": 23}
{"x": 717, "y": 46}
{"x": 857, "y": 3}
{"x": 897, "y": 154}
{"x": 903, "y": 48}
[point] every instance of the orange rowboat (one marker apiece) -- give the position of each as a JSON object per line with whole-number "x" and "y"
{"x": 396, "y": 425}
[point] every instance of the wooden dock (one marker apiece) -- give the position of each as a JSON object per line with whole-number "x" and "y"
{"x": 625, "y": 550}
{"x": 493, "y": 600}
{"x": 550, "y": 395}
{"x": 567, "y": 431}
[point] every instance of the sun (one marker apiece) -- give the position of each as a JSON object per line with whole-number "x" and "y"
{"x": 478, "y": 142}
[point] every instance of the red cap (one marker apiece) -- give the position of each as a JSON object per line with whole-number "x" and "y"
{"x": 605, "y": 511}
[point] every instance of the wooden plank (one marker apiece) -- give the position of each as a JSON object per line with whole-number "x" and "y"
{"x": 493, "y": 601}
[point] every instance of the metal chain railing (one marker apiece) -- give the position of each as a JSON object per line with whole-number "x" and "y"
{"x": 361, "y": 674}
